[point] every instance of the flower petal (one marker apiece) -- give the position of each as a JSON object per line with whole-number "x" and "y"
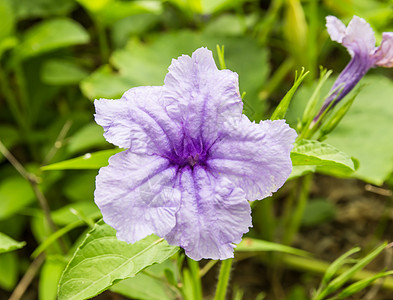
{"x": 359, "y": 37}
{"x": 384, "y": 53}
{"x": 136, "y": 197}
{"x": 335, "y": 28}
{"x": 255, "y": 157}
{"x": 202, "y": 96}
{"x": 138, "y": 121}
{"x": 213, "y": 215}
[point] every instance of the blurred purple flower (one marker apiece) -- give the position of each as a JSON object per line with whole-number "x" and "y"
{"x": 192, "y": 160}
{"x": 359, "y": 40}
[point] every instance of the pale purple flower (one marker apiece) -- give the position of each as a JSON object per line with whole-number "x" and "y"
{"x": 359, "y": 40}
{"x": 193, "y": 160}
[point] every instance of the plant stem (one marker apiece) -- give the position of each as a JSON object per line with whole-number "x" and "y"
{"x": 27, "y": 278}
{"x": 197, "y": 287}
{"x": 223, "y": 279}
{"x": 207, "y": 267}
{"x": 20, "y": 79}
{"x": 58, "y": 143}
{"x": 11, "y": 100}
{"x": 295, "y": 221}
{"x": 264, "y": 212}
{"x": 265, "y": 27}
{"x": 103, "y": 42}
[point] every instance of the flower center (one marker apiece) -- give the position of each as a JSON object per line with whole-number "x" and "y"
{"x": 193, "y": 160}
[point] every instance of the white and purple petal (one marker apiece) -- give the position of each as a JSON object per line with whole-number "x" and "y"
{"x": 255, "y": 157}
{"x": 335, "y": 28}
{"x": 202, "y": 96}
{"x": 213, "y": 216}
{"x": 138, "y": 121}
{"x": 384, "y": 53}
{"x": 136, "y": 197}
{"x": 358, "y": 37}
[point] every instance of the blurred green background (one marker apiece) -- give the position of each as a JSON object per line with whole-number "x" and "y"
{"x": 57, "y": 56}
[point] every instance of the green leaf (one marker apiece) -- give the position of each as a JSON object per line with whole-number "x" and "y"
{"x": 360, "y": 285}
{"x": 49, "y": 277}
{"x": 109, "y": 11}
{"x": 339, "y": 281}
{"x": 79, "y": 186}
{"x": 226, "y": 25}
{"x": 8, "y": 244}
{"x": 7, "y": 19}
{"x": 104, "y": 84}
{"x": 298, "y": 171}
{"x": 206, "y": 6}
{"x": 86, "y": 138}
{"x": 318, "y": 211}
{"x": 62, "y": 72}
{"x": 102, "y": 260}
{"x": 68, "y": 214}
{"x": 337, "y": 264}
{"x": 325, "y": 157}
{"x": 8, "y": 270}
{"x": 146, "y": 287}
{"x": 94, "y": 160}
{"x": 25, "y": 9}
{"x": 250, "y": 244}
{"x": 50, "y": 35}
{"x": 138, "y": 25}
{"x": 15, "y": 194}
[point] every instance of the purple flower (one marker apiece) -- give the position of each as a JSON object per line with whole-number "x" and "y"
{"x": 359, "y": 40}
{"x": 192, "y": 162}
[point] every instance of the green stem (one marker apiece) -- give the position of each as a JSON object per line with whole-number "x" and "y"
{"x": 267, "y": 24}
{"x": 294, "y": 224}
{"x": 277, "y": 78}
{"x": 20, "y": 79}
{"x": 196, "y": 278}
{"x": 103, "y": 42}
{"x": 264, "y": 213}
{"x": 11, "y": 99}
{"x": 223, "y": 279}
